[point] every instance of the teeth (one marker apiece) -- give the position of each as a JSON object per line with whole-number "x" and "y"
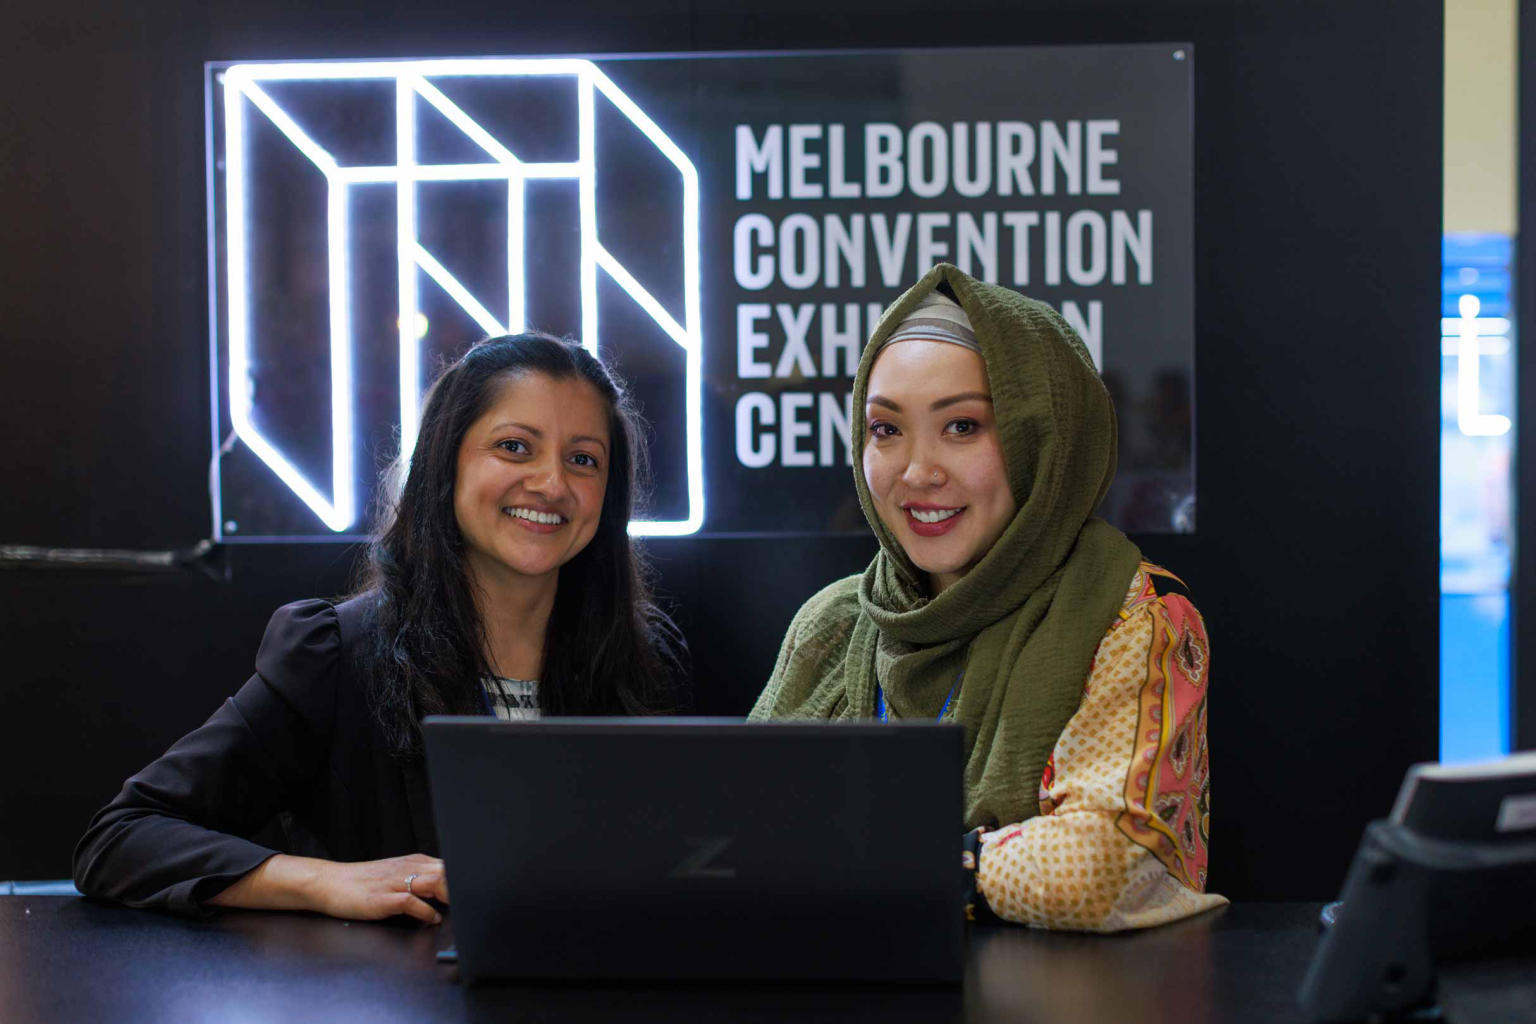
{"x": 534, "y": 516}
{"x": 936, "y": 516}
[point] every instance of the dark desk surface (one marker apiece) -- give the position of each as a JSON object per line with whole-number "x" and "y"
{"x": 68, "y": 959}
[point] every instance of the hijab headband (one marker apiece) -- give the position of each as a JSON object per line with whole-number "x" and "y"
{"x": 936, "y": 318}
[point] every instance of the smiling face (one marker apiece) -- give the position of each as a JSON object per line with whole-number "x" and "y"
{"x": 932, "y": 458}
{"x": 532, "y": 472}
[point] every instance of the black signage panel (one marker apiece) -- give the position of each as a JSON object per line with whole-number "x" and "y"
{"x": 724, "y": 229}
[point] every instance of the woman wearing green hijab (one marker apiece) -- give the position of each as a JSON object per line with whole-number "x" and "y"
{"x": 999, "y": 601}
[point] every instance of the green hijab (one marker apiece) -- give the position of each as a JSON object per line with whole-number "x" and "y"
{"x": 1023, "y": 624}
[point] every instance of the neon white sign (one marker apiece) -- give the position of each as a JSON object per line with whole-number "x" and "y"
{"x": 414, "y": 81}
{"x": 1468, "y": 374}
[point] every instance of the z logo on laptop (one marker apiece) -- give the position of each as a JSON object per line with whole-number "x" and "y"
{"x": 699, "y": 863}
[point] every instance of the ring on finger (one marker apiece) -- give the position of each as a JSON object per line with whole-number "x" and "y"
{"x": 408, "y": 880}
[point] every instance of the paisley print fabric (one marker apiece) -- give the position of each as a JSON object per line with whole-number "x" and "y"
{"x": 1122, "y": 837}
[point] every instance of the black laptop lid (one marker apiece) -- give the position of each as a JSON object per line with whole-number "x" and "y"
{"x": 646, "y": 848}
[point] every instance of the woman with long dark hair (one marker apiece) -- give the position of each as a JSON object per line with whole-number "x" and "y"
{"x": 502, "y": 582}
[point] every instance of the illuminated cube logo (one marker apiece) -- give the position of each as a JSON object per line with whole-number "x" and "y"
{"x": 483, "y": 152}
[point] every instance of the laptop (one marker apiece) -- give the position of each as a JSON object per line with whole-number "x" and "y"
{"x": 676, "y": 848}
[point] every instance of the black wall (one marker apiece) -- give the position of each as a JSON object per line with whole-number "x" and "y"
{"x": 1318, "y": 184}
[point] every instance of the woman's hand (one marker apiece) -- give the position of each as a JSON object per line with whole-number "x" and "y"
{"x": 367, "y": 890}
{"x": 373, "y": 889}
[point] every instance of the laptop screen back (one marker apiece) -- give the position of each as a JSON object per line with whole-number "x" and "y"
{"x": 673, "y": 848}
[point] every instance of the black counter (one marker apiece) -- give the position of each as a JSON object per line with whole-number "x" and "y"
{"x": 68, "y": 959}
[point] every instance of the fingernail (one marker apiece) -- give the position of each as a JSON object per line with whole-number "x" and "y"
{"x": 437, "y": 918}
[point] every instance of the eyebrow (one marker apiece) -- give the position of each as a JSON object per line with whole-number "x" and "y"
{"x": 536, "y": 432}
{"x": 964, "y": 396}
{"x": 942, "y": 403}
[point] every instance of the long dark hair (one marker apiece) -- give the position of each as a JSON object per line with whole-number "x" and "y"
{"x": 608, "y": 649}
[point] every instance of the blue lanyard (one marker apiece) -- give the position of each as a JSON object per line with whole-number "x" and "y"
{"x": 881, "y": 710}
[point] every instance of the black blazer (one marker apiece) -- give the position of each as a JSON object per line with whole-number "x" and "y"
{"x": 292, "y": 763}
